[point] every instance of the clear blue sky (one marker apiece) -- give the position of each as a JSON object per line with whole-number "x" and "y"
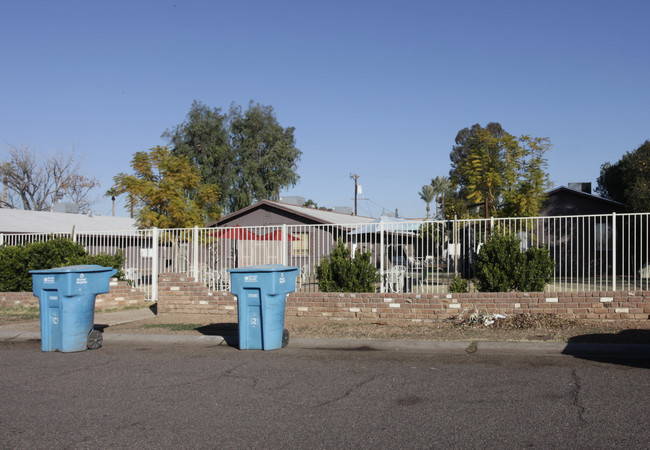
{"x": 375, "y": 88}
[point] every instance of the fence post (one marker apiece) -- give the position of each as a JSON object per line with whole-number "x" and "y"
{"x": 2, "y": 239}
{"x": 284, "y": 245}
{"x": 382, "y": 288}
{"x": 155, "y": 237}
{"x": 614, "y": 251}
{"x": 195, "y": 253}
{"x": 456, "y": 246}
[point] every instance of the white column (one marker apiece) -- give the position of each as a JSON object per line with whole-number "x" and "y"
{"x": 155, "y": 238}
{"x": 613, "y": 251}
{"x": 195, "y": 254}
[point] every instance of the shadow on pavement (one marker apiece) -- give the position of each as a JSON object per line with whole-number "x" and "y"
{"x": 629, "y": 348}
{"x": 229, "y": 332}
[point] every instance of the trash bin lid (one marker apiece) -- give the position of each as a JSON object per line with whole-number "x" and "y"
{"x": 265, "y": 268}
{"x": 82, "y": 268}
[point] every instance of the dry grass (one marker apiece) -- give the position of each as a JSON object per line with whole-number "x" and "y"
{"x": 12, "y": 315}
{"x": 543, "y": 327}
{"x": 468, "y": 326}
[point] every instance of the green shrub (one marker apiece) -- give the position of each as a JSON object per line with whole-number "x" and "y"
{"x": 17, "y": 261}
{"x": 537, "y": 271}
{"x": 14, "y": 264}
{"x": 53, "y": 253}
{"x": 459, "y": 285}
{"x": 341, "y": 273}
{"x": 502, "y": 267}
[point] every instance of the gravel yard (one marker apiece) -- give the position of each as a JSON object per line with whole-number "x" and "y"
{"x": 468, "y": 326}
{"x": 549, "y": 328}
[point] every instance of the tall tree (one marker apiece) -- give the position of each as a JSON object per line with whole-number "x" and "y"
{"x": 427, "y": 193}
{"x": 504, "y": 174}
{"x": 441, "y": 186}
{"x": 482, "y": 171}
{"x": 266, "y": 155}
{"x": 34, "y": 182}
{"x": 461, "y": 150}
{"x": 112, "y": 193}
{"x": 167, "y": 191}
{"x": 203, "y": 138}
{"x": 526, "y": 179}
{"x": 247, "y": 154}
{"x": 628, "y": 180}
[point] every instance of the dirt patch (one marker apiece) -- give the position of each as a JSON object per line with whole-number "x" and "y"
{"x": 537, "y": 328}
{"x": 468, "y": 326}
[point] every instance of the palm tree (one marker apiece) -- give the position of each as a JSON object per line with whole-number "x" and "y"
{"x": 112, "y": 193}
{"x": 441, "y": 186}
{"x": 427, "y": 194}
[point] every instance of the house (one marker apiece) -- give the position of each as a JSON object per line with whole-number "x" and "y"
{"x": 577, "y": 200}
{"x": 268, "y": 212}
{"x": 18, "y": 221}
{"x": 579, "y": 230}
{"x": 317, "y": 232}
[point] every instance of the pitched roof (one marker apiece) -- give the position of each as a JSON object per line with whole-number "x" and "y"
{"x": 311, "y": 214}
{"x": 564, "y": 189}
{"x": 564, "y": 201}
{"x": 21, "y": 221}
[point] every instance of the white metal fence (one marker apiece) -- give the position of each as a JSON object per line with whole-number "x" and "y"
{"x": 591, "y": 253}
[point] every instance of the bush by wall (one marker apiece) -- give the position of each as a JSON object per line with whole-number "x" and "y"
{"x": 459, "y": 285}
{"x": 502, "y": 267}
{"x": 17, "y": 261}
{"x": 341, "y": 273}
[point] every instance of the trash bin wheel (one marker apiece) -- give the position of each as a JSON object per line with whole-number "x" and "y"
{"x": 95, "y": 339}
{"x": 285, "y": 338}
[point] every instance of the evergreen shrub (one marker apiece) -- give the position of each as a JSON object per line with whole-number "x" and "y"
{"x": 341, "y": 273}
{"x": 17, "y": 260}
{"x": 502, "y": 267}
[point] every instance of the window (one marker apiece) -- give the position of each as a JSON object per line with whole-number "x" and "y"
{"x": 300, "y": 247}
{"x": 603, "y": 235}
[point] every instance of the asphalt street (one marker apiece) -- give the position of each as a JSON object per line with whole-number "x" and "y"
{"x": 166, "y": 394}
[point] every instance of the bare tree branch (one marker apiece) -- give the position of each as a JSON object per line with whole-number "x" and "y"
{"x": 35, "y": 182}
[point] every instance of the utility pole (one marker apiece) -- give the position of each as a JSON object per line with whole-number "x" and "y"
{"x": 355, "y": 177}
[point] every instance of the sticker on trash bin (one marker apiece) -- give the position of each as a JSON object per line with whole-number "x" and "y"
{"x": 48, "y": 280}
{"x": 282, "y": 280}
{"x": 250, "y": 279}
{"x": 55, "y": 320}
{"x": 253, "y": 320}
{"x": 82, "y": 279}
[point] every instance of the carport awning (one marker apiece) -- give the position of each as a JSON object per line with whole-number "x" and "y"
{"x": 387, "y": 224}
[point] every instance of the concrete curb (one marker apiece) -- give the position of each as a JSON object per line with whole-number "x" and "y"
{"x": 163, "y": 339}
{"x": 18, "y": 336}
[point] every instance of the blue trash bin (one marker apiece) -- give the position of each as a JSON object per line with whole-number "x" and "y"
{"x": 66, "y": 297}
{"x": 261, "y": 297}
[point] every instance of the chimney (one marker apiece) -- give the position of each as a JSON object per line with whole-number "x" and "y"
{"x": 581, "y": 187}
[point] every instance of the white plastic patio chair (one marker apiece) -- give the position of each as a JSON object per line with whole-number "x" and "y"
{"x": 133, "y": 276}
{"x": 395, "y": 278}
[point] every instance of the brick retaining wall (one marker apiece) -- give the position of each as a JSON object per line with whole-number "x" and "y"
{"x": 180, "y": 294}
{"x": 120, "y": 295}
